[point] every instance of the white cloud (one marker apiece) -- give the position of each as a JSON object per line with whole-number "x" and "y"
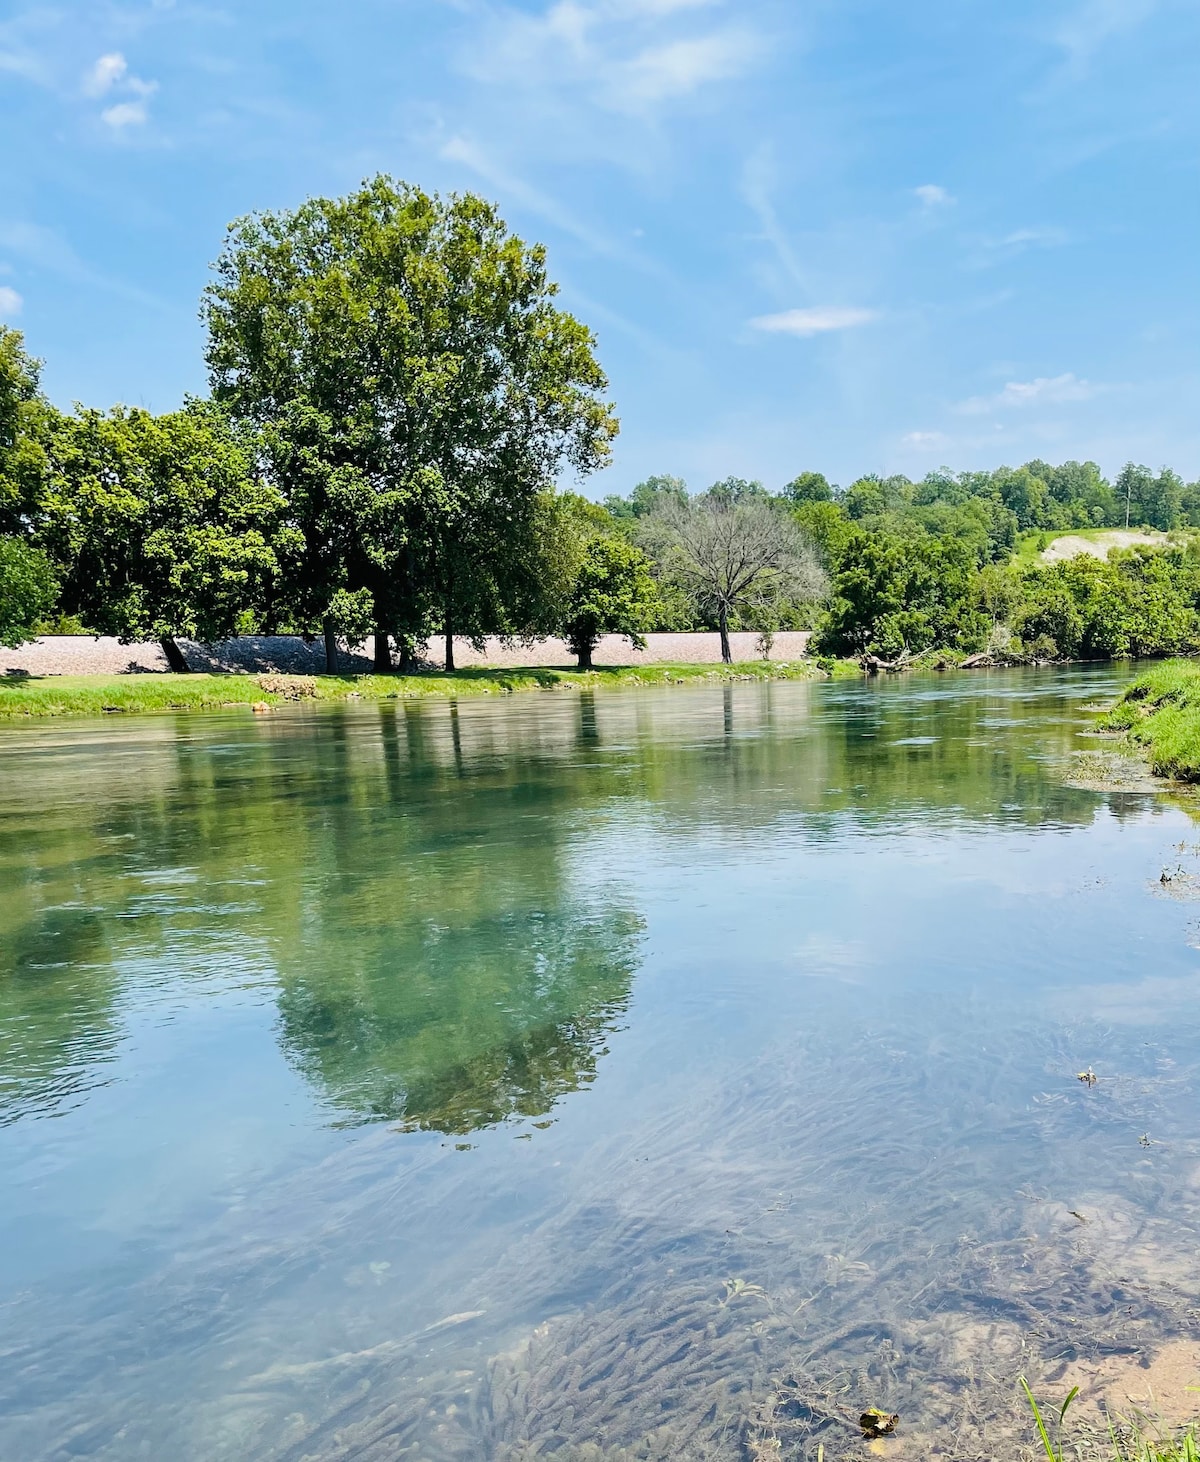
{"x": 124, "y": 114}
{"x": 625, "y": 55}
{"x": 105, "y": 73}
{"x": 1043, "y": 391}
{"x": 814, "y": 321}
{"x": 110, "y": 73}
{"x": 10, "y": 300}
{"x": 933, "y": 195}
{"x": 681, "y": 67}
{"x": 925, "y": 441}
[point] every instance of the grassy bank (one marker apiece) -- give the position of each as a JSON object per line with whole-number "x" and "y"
{"x": 95, "y": 695}
{"x": 1160, "y": 714}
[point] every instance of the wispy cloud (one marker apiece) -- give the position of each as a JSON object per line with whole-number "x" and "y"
{"x": 1091, "y": 25}
{"x": 661, "y": 72}
{"x": 990, "y": 251}
{"x": 1024, "y": 238}
{"x": 1043, "y": 391}
{"x": 925, "y": 441}
{"x": 10, "y": 301}
{"x": 48, "y": 250}
{"x": 758, "y": 179}
{"x": 624, "y": 55}
{"x": 814, "y": 321}
{"x": 470, "y": 155}
{"x": 933, "y": 195}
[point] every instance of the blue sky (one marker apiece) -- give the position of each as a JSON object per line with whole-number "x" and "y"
{"x": 848, "y": 235}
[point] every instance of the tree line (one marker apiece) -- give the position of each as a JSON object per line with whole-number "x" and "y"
{"x": 394, "y": 395}
{"x": 951, "y": 563}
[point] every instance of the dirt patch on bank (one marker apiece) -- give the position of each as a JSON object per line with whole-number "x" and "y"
{"x": 1071, "y": 545}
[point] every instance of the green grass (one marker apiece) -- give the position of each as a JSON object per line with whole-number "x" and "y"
{"x": 94, "y": 695}
{"x": 1160, "y": 714}
{"x": 1029, "y": 546}
{"x": 1137, "y": 1438}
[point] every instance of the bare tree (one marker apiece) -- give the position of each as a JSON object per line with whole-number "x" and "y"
{"x": 734, "y": 557}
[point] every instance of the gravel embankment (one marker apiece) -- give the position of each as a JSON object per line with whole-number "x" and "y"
{"x": 83, "y": 655}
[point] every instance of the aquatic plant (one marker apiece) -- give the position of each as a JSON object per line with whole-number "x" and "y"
{"x": 1137, "y": 1438}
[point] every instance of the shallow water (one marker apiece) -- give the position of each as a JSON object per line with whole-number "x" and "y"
{"x": 652, "y": 1073}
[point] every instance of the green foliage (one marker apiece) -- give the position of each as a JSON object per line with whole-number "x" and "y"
{"x": 1132, "y": 1439}
{"x": 159, "y": 524}
{"x": 27, "y": 590}
{"x": 1160, "y": 712}
{"x": 25, "y": 416}
{"x": 890, "y": 596}
{"x": 827, "y": 527}
{"x": 1053, "y": 1449}
{"x": 1155, "y": 502}
{"x": 808, "y": 487}
{"x": 419, "y": 387}
{"x": 647, "y": 496}
{"x": 612, "y": 590}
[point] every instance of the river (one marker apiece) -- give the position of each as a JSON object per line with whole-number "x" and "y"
{"x": 639, "y": 1074}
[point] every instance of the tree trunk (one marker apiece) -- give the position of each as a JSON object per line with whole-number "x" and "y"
{"x": 330, "y": 647}
{"x": 449, "y": 647}
{"x": 383, "y": 653}
{"x": 723, "y": 626}
{"x": 585, "y": 654}
{"x": 175, "y": 660}
{"x": 408, "y": 661}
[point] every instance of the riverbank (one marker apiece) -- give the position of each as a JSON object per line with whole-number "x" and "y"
{"x": 1159, "y": 713}
{"x": 293, "y": 655}
{"x": 94, "y": 695}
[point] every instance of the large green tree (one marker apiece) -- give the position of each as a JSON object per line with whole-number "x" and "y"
{"x": 161, "y": 526}
{"x": 27, "y": 585}
{"x": 418, "y": 382}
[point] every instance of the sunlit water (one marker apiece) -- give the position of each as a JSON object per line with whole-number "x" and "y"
{"x": 600, "y": 1073}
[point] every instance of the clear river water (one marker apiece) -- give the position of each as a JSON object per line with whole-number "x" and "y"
{"x": 641, "y": 1074}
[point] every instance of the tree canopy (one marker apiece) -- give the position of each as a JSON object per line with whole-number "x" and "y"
{"x": 418, "y": 386}
{"x": 161, "y": 525}
{"x": 612, "y": 590}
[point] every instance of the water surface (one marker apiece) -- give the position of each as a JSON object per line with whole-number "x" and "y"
{"x": 649, "y": 1073}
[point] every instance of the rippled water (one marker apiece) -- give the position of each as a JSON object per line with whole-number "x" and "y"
{"x": 644, "y": 1074}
